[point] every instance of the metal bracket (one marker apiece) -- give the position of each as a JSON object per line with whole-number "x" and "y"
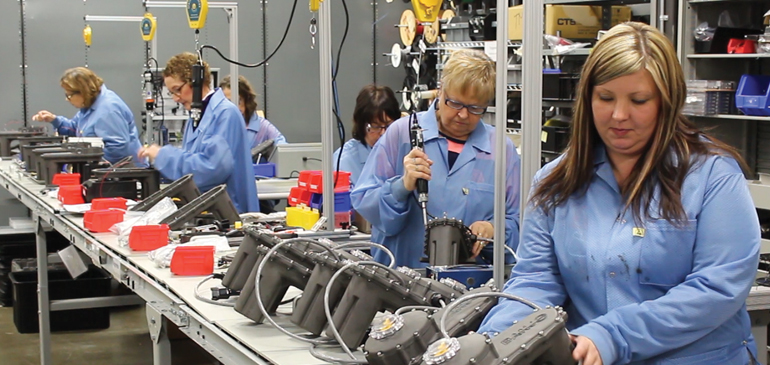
{"x": 154, "y": 322}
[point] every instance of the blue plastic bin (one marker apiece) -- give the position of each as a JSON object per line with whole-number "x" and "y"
{"x": 341, "y": 201}
{"x": 752, "y": 96}
{"x": 264, "y": 169}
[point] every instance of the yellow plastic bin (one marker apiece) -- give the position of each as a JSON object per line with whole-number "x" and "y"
{"x": 301, "y": 216}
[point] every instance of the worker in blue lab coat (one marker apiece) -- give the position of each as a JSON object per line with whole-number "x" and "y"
{"x": 102, "y": 114}
{"x": 215, "y": 151}
{"x": 458, "y": 161}
{"x": 644, "y": 229}
{"x": 376, "y": 108}
{"x": 258, "y": 128}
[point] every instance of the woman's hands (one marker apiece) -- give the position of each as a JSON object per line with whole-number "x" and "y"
{"x": 585, "y": 351}
{"x": 150, "y": 152}
{"x": 416, "y": 166}
{"x": 44, "y": 116}
{"x": 482, "y": 229}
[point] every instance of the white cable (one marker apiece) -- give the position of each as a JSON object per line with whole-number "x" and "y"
{"x": 442, "y": 322}
{"x": 259, "y": 293}
{"x": 327, "y": 295}
{"x": 328, "y": 311}
{"x": 332, "y": 359}
{"x": 515, "y": 256}
{"x": 207, "y": 300}
{"x": 414, "y": 307}
{"x": 370, "y": 244}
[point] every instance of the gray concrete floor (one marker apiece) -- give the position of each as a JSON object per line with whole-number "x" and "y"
{"x": 127, "y": 341}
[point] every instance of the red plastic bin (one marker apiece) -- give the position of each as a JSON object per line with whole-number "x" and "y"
{"x": 193, "y": 260}
{"x": 342, "y": 217}
{"x": 304, "y": 178}
{"x": 66, "y": 179}
{"x": 148, "y": 238}
{"x": 71, "y": 194}
{"x": 298, "y": 195}
{"x": 98, "y": 221}
{"x": 108, "y": 203}
{"x": 343, "y": 182}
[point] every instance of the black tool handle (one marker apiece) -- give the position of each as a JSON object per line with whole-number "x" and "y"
{"x": 197, "y": 86}
{"x": 416, "y": 139}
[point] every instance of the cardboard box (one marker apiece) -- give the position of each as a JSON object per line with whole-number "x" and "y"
{"x": 574, "y": 21}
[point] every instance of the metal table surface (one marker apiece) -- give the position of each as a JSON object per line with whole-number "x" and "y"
{"x": 227, "y": 335}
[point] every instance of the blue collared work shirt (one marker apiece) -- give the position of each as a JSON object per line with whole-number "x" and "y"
{"x": 352, "y": 155}
{"x": 110, "y": 119}
{"x": 260, "y": 129}
{"x": 464, "y": 192}
{"x": 664, "y": 295}
{"x": 215, "y": 153}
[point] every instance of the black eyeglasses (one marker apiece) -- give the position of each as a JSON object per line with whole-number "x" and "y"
{"x": 377, "y": 128}
{"x": 70, "y": 95}
{"x": 473, "y": 109}
{"x": 176, "y": 92}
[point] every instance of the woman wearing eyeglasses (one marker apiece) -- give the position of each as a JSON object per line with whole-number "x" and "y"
{"x": 376, "y": 108}
{"x": 258, "y": 129}
{"x": 458, "y": 161}
{"x": 215, "y": 150}
{"x": 102, "y": 113}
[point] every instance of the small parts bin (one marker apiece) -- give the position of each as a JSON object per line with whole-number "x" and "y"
{"x": 101, "y": 220}
{"x": 193, "y": 260}
{"x": 299, "y": 195}
{"x": 266, "y": 169}
{"x": 71, "y": 194}
{"x": 66, "y": 179}
{"x": 752, "y": 96}
{"x": 108, "y": 203}
{"x": 148, "y": 238}
{"x": 341, "y": 201}
{"x": 313, "y": 181}
{"x": 301, "y": 217}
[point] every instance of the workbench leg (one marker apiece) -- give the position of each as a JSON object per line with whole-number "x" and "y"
{"x": 44, "y": 305}
{"x": 759, "y": 321}
{"x": 161, "y": 347}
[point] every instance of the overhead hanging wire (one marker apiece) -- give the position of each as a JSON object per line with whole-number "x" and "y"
{"x": 260, "y": 63}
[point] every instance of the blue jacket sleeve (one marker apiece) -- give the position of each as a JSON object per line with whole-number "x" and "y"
{"x": 535, "y": 277}
{"x": 66, "y": 127}
{"x": 113, "y": 130}
{"x": 380, "y": 195}
{"x": 210, "y": 165}
{"x": 725, "y": 259}
{"x": 275, "y": 134}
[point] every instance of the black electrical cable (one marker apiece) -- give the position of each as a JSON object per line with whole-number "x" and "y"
{"x": 342, "y": 42}
{"x": 261, "y": 63}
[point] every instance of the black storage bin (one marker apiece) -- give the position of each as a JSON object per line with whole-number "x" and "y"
{"x": 560, "y": 86}
{"x": 94, "y": 283}
{"x": 556, "y": 139}
{"x": 21, "y": 245}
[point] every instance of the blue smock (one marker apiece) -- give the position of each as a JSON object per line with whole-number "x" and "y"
{"x": 666, "y": 295}
{"x": 465, "y": 192}
{"x": 260, "y": 129}
{"x": 352, "y": 155}
{"x": 109, "y": 118}
{"x": 215, "y": 153}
